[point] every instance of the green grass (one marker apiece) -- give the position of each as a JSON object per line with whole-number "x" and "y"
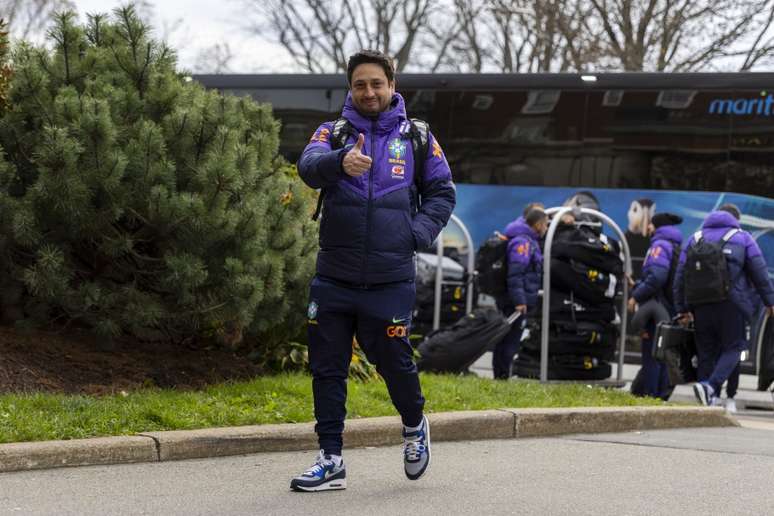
{"x": 272, "y": 399}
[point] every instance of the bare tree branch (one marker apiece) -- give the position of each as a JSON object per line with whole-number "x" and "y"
{"x": 29, "y": 19}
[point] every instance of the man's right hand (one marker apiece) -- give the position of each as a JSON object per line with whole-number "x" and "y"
{"x": 521, "y": 308}
{"x": 685, "y": 318}
{"x": 356, "y": 163}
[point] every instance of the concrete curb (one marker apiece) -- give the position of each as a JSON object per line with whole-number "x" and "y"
{"x": 379, "y": 431}
{"x": 77, "y": 452}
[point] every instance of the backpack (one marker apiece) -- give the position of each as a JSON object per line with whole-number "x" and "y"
{"x": 417, "y": 130}
{"x": 706, "y": 276}
{"x": 669, "y": 292}
{"x": 492, "y": 266}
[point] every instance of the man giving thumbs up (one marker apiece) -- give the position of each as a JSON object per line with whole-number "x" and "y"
{"x": 371, "y": 227}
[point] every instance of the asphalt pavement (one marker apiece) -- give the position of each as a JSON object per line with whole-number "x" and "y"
{"x": 693, "y": 471}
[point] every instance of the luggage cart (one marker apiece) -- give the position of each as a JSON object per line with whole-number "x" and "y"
{"x": 439, "y": 281}
{"x": 546, "y": 313}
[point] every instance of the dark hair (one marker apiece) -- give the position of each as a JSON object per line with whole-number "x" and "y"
{"x": 371, "y": 56}
{"x": 733, "y": 209}
{"x": 531, "y": 206}
{"x": 534, "y": 216}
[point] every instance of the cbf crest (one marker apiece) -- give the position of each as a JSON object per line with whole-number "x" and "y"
{"x": 397, "y": 149}
{"x": 311, "y": 311}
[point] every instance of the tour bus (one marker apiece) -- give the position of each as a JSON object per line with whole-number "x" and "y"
{"x": 638, "y": 142}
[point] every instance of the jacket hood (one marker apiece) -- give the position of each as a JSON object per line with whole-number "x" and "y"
{"x": 720, "y": 219}
{"x": 670, "y": 233}
{"x": 385, "y": 121}
{"x": 520, "y": 228}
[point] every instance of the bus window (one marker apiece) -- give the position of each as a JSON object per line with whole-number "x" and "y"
{"x": 651, "y": 139}
{"x": 517, "y": 137}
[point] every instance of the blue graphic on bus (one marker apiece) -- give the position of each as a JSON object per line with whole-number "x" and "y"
{"x": 486, "y": 208}
{"x": 761, "y": 106}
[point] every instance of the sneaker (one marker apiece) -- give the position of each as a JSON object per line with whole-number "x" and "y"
{"x": 730, "y": 406}
{"x": 704, "y": 393}
{"x": 323, "y": 475}
{"x": 416, "y": 451}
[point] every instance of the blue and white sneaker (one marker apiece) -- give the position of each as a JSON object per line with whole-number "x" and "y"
{"x": 323, "y": 475}
{"x": 416, "y": 451}
{"x": 704, "y": 393}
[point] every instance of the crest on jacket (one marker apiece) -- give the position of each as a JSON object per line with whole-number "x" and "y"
{"x": 397, "y": 150}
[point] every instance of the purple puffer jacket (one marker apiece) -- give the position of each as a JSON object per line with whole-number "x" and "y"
{"x": 655, "y": 271}
{"x": 370, "y": 226}
{"x": 744, "y": 261}
{"x": 525, "y": 263}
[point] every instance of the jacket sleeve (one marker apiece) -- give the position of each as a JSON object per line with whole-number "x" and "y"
{"x": 656, "y": 274}
{"x": 438, "y": 197}
{"x": 757, "y": 271}
{"x": 319, "y": 165}
{"x": 519, "y": 255}
{"x": 678, "y": 289}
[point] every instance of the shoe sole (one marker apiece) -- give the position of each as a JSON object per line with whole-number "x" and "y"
{"x": 330, "y": 485}
{"x": 427, "y": 466}
{"x": 700, "y": 393}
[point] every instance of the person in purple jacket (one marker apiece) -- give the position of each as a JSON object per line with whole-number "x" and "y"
{"x": 653, "y": 294}
{"x": 525, "y": 272}
{"x": 372, "y": 225}
{"x": 720, "y": 326}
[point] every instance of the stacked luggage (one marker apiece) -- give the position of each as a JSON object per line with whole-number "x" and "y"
{"x": 586, "y": 272}
{"x": 453, "y": 293}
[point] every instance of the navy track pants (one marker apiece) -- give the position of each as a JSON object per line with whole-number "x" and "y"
{"x": 720, "y": 340}
{"x": 380, "y": 317}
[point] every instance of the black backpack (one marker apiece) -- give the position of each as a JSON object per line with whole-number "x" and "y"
{"x": 668, "y": 291}
{"x": 706, "y": 275}
{"x": 417, "y": 130}
{"x": 492, "y": 266}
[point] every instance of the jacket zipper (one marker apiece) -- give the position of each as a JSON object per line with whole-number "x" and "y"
{"x": 369, "y": 207}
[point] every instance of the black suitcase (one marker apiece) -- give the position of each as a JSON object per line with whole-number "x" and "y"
{"x": 674, "y": 345}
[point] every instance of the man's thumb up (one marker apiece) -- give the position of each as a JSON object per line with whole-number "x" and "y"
{"x": 359, "y": 145}
{"x": 355, "y": 162}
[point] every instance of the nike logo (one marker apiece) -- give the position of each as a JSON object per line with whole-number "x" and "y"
{"x": 399, "y": 320}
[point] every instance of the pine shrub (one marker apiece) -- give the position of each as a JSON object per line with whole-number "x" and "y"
{"x": 134, "y": 201}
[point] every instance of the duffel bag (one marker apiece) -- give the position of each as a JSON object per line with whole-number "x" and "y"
{"x": 586, "y": 283}
{"x": 453, "y": 349}
{"x": 449, "y": 293}
{"x": 566, "y": 307}
{"x": 584, "y": 338}
{"x": 596, "y": 251}
{"x": 563, "y": 367}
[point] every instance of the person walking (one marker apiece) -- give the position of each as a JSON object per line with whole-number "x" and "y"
{"x": 653, "y": 294}
{"x": 525, "y": 271}
{"x": 712, "y": 282}
{"x": 375, "y": 215}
